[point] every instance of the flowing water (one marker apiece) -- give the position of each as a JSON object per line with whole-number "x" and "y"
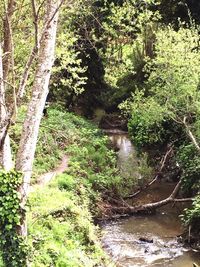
{"x": 122, "y": 237}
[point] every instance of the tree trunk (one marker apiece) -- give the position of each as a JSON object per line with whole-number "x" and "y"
{"x": 27, "y": 146}
{"x": 8, "y": 46}
{"x": 5, "y": 149}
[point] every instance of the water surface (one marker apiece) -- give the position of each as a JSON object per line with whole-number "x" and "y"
{"x": 122, "y": 237}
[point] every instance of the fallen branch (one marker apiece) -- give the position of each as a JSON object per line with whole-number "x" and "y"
{"x": 150, "y": 207}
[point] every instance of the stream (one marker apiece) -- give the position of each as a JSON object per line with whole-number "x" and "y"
{"x": 121, "y": 238}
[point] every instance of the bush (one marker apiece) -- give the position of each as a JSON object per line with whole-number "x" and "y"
{"x": 189, "y": 161}
{"x": 191, "y": 218}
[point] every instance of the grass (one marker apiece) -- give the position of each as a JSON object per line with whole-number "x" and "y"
{"x": 61, "y": 229}
{"x": 60, "y": 216}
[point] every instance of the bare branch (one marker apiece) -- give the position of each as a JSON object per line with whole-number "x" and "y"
{"x": 39, "y": 8}
{"x": 8, "y": 83}
{"x": 25, "y": 75}
{"x": 190, "y": 134}
{"x": 183, "y": 199}
{"x": 33, "y": 54}
{"x": 35, "y": 17}
{"x": 8, "y": 40}
{"x": 175, "y": 191}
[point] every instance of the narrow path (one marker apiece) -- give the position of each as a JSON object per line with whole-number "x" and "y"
{"x": 45, "y": 178}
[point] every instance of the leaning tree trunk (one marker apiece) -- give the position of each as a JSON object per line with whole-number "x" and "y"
{"x": 5, "y": 149}
{"x": 27, "y": 146}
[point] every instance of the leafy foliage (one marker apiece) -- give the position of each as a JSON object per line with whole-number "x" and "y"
{"x": 63, "y": 233}
{"x": 126, "y": 26}
{"x": 189, "y": 161}
{"x": 191, "y": 218}
{"x": 106, "y": 51}
{"x": 172, "y": 86}
{"x": 69, "y": 76}
{"x": 13, "y": 246}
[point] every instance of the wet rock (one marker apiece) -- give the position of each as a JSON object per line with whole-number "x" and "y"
{"x": 146, "y": 240}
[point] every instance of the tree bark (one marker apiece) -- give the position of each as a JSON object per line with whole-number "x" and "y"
{"x": 27, "y": 146}
{"x": 5, "y": 62}
{"x": 7, "y": 36}
{"x": 5, "y": 149}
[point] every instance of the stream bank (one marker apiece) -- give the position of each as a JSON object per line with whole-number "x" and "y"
{"x": 122, "y": 237}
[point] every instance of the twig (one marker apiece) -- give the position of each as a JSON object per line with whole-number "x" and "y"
{"x": 8, "y": 83}
{"x": 35, "y": 17}
{"x": 39, "y": 8}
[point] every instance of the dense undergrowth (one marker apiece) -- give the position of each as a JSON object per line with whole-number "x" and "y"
{"x": 61, "y": 229}
{"x": 60, "y": 217}
{"x": 171, "y": 96}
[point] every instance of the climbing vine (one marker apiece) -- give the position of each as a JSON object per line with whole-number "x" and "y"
{"x": 13, "y": 246}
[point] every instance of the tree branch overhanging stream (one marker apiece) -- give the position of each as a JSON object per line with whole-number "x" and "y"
{"x": 128, "y": 210}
